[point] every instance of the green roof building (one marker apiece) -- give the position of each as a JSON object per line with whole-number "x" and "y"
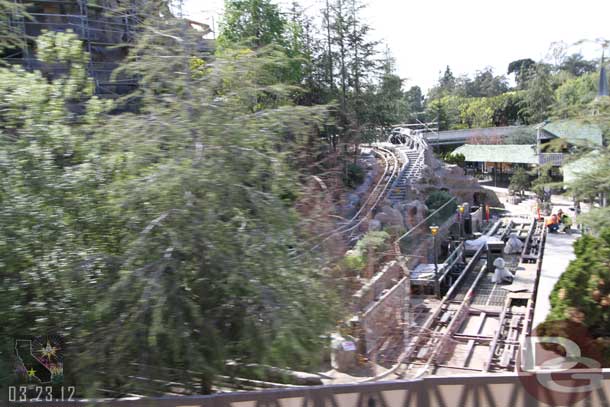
{"x": 574, "y": 169}
{"x": 499, "y": 153}
{"x": 575, "y": 132}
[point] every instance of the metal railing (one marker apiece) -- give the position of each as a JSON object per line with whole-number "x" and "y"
{"x": 555, "y": 158}
{"x": 497, "y": 390}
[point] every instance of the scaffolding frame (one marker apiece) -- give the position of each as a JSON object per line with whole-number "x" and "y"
{"x": 101, "y": 27}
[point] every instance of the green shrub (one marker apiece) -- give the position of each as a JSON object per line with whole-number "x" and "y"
{"x": 354, "y": 176}
{"x": 519, "y": 181}
{"x": 354, "y": 261}
{"x": 457, "y": 159}
{"x": 357, "y": 259}
{"x": 437, "y": 199}
{"x": 373, "y": 240}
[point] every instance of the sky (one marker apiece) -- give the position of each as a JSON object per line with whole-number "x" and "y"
{"x": 468, "y": 35}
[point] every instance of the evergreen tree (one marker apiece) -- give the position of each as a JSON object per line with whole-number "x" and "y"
{"x": 577, "y": 65}
{"x": 254, "y": 23}
{"x": 519, "y": 181}
{"x": 521, "y": 68}
{"x": 447, "y": 81}
{"x": 158, "y": 242}
{"x": 340, "y": 31}
{"x": 414, "y": 99}
{"x": 486, "y": 84}
{"x": 582, "y": 294}
{"x": 385, "y": 105}
{"x": 539, "y": 96}
{"x": 205, "y": 281}
{"x": 574, "y": 95}
{"x": 363, "y": 51}
{"x": 58, "y": 238}
{"x": 306, "y": 53}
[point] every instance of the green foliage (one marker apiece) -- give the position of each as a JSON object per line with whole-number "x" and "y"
{"x": 539, "y": 95}
{"x": 252, "y": 23}
{"x": 11, "y": 37}
{"x": 375, "y": 240}
{"x": 583, "y": 290}
{"x": 484, "y": 84}
{"x": 446, "y": 83}
{"x": 414, "y": 99}
{"x": 385, "y": 103}
{"x": 456, "y": 112}
{"x": 160, "y": 238}
{"x": 354, "y": 261}
{"x": 210, "y": 227}
{"x": 575, "y": 94}
{"x": 371, "y": 244}
{"x": 519, "y": 181}
{"x": 445, "y": 111}
{"x": 592, "y": 180}
{"x": 582, "y": 294}
{"x": 457, "y": 159}
{"x": 542, "y": 183}
{"x": 57, "y": 235}
{"x": 437, "y": 199}
{"x": 332, "y": 64}
{"x": 355, "y": 175}
{"x": 576, "y": 65}
{"x": 576, "y": 99}
{"x": 521, "y": 69}
{"x": 477, "y": 113}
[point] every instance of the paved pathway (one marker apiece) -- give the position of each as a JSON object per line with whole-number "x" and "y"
{"x": 558, "y": 253}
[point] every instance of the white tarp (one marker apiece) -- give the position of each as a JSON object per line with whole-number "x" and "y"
{"x": 474, "y": 245}
{"x": 424, "y": 272}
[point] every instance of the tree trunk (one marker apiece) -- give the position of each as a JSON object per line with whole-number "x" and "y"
{"x": 330, "y": 77}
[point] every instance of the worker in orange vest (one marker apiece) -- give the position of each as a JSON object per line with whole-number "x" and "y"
{"x": 552, "y": 223}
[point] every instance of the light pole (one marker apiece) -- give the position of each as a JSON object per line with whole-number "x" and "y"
{"x": 437, "y": 288}
{"x": 461, "y": 211}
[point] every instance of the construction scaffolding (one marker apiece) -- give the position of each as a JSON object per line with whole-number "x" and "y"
{"x": 106, "y": 27}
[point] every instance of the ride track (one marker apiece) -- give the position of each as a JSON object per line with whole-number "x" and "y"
{"x": 432, "y": 343}
{"x": 472, "y": 300}
{"x": 432, "y": 339}
{"x": 409, "y": 171}
{"x": 391, "y": 170}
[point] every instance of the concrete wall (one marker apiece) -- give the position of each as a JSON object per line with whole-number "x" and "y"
{"x": 384, "y": 316}
{"x": 389, "y": 275}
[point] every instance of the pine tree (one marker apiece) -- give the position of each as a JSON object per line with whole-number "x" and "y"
{"x": 160, "y": 241}
{"x": 539, "y": 96}
{"x": 253, "y": 23}
{"x": 447, "y": 81}
{"x": 57, "y": 238}
{"x": 363, "y": 65}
